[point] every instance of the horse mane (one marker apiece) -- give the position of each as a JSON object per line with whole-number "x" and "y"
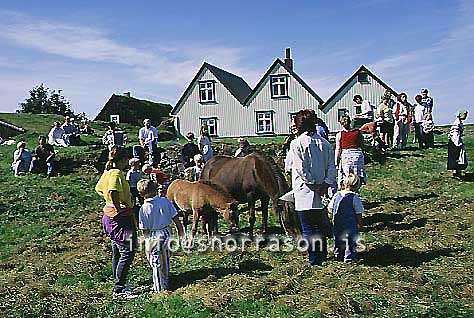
{"x": 219, "y": 189}
{"x": 276, "y": 171}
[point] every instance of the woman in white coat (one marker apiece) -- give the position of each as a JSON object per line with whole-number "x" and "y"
{"x": 311, "y": 162}
{"x": 205, "y": 145}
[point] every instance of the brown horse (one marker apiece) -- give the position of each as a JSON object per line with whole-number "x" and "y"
{"x": 202, "y": 198}
{"x": 251, "y": 178}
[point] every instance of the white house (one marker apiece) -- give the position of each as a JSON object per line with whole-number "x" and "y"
{"x": 230, "y": 108}
{"x": 364, "y": 83}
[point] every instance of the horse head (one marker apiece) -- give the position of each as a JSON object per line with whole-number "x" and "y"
{"x": 288, "y": 218}
{"x": 230, "y": 211}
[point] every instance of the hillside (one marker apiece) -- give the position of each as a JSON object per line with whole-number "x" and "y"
{"x": 54, "y": 260}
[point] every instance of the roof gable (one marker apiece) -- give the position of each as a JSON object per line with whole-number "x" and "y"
{"x": 362, "y": 69}
{"x": 291, "y": 72}
{"x": 233, "y": 83}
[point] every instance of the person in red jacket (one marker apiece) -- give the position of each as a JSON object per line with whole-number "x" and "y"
{"x": 402, "y": 113}
{"x": 349, "y": 155}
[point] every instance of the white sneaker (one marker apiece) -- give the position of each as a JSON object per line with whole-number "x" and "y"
{"x": 125, "y": 295}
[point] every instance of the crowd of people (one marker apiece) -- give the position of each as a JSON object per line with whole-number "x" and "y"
{"x": 325, "y": 180}
{"x": 42, "y": 159}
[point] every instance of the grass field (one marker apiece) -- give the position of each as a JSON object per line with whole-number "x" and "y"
{"x": 54, "y": 260}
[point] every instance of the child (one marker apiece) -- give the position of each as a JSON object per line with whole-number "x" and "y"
{"x": 428, "y": 127}
{"x": 347, "y": 210}
{"x": 194, "y": 173}
{"x": 133, "y": 176}
{"x": 418, "y": 119}
{"x": 157, "y": 176}
{"x": 155, "y": 217}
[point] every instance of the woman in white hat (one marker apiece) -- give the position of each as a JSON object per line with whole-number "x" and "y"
{"x": 457, "y": 158}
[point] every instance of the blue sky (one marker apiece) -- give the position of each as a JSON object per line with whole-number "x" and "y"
{"x": 91, "y": 49}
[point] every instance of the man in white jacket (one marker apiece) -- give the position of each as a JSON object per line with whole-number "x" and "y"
{"x": 313, "y": 171}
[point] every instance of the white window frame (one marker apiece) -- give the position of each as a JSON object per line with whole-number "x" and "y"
{"x": 292, "y": 120}
{"x": 211, "y": 123}
{"x": 346, "y": 112}
{"x": 209, "y": 90}
{"x": 115, "y": 119}
{"x": 265, "y": 116}
{"x": 281, "y": 81}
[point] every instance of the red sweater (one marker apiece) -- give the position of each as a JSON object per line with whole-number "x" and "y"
{"x": 349, "y": 139}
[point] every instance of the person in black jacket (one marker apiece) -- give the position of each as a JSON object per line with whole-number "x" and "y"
{"x": 189, "y": 151}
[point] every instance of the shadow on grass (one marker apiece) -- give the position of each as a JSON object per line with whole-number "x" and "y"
{"x": 468, "y": 177}
{"x": 397, "y": 155}
{"x": 398, "y": 226}
{"x": 189, "y": 277}
{"x": 416, "y": 197}
{"x": 65, "y": 166}
{"x": 387, "y": 255}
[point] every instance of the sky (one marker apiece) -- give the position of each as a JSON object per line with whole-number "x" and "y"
{"x": 92, "y": 49}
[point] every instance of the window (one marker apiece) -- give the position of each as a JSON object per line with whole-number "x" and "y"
{"x": 363, "y": 78}
{"x": 358, "y": 109}
{"x": 279, "y": 86}
{"x": 292, "y": 122}
{"x": 207, "y": 92}
{"x": 341, "y": 113}
{"x": 264, "y": 122}
{"x": 211, "y": 124}
{"x": 115, "y": 119}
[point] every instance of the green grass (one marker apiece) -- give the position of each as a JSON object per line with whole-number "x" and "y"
{"x": 55, "y": 261}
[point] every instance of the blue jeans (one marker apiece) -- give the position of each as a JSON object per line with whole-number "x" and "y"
{"x": 312, "y": 226}
{"x": 122, "y": 258}
{"x": 38, "y": 166}
{"x": 138, "y": 152}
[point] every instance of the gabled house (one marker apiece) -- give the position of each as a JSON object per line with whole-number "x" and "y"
{"x": 230, "y": 108}
{"x": 214, "y": 97}
{"x": 363, "y": 82}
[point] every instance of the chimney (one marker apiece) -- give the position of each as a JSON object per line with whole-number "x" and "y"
{"x": 126, "y": 94}
{"x": 288, "y": 59}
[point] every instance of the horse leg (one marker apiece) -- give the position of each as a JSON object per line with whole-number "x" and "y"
{"x": 251, "y": 203}
{"x": 215, "y": 221}
{"x": 264, "y": 203}
{"x": 196, "y": 213}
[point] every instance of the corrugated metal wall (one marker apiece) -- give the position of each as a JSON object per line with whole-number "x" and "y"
{"x": 228, "y": 110}
{"x": 371, "y": 91}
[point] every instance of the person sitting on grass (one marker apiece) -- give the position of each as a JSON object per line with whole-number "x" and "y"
{"x": 114, "y": 136}
{"x": 56, "y": 135}
{"x": 71, "y": 132}
{"x": 133, "y": 176}
{"x": 347, "y": 209}
{"x": 21, "y": 159}
{"x": 155, "y": 218}
{"x": 85, "y": 128}
{"x": 43, "y": 159}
